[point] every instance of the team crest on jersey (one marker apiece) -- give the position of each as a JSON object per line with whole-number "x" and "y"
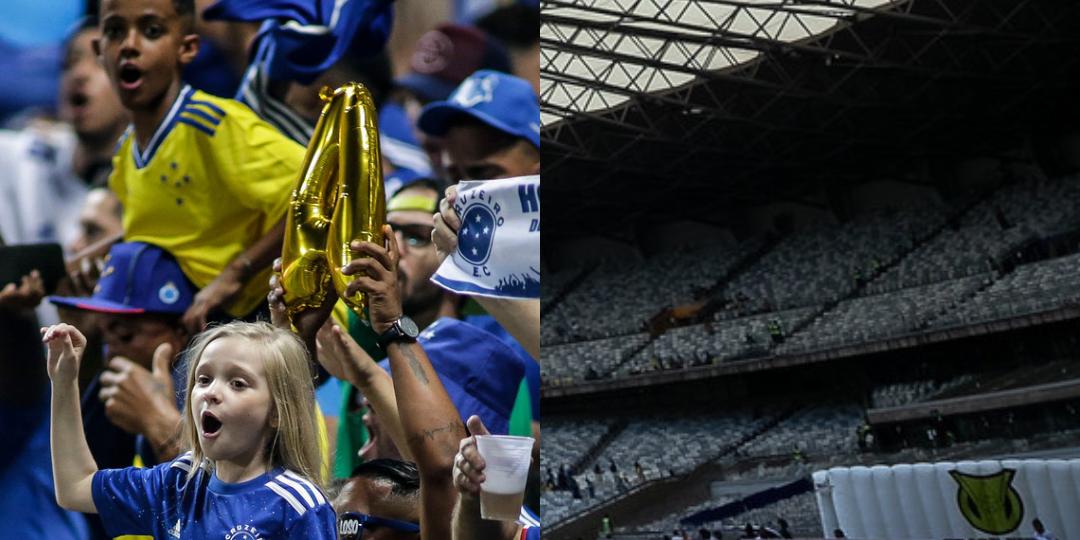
{"x": 243, "y": 532}
{"x": 989, "y": 503}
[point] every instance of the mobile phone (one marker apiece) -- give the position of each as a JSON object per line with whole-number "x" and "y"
{"x": 18, "y": 260}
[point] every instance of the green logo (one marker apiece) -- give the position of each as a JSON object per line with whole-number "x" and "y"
{"x": 989, "y": 503}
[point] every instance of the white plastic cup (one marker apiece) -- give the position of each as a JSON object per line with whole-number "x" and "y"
{"x": 507, "y": 460}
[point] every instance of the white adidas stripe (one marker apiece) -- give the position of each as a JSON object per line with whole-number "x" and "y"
{"x": 303, "y": 492}
{"x": 525, "y": 518}
{"x": 183, "y": 462}
{"x": 287, "y": 496}
{"x": 314, "y": 489}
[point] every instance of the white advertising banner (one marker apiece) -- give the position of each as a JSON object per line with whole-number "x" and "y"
{"x": 961, "y": 500}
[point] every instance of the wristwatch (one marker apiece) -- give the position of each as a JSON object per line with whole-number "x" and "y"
{"x": 403, "y": 329}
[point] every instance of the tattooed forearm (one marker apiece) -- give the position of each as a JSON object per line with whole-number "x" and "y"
{"x": 455, "y": 428}
{"x": 414, "y": 364}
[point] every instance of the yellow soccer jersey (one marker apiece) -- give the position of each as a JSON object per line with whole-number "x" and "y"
{"x": 213, "y": 180}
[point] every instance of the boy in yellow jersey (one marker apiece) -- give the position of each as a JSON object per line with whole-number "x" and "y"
{"x": 200, "y": 176}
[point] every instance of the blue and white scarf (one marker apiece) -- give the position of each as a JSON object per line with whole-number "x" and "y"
{"x": 498, "y": 252}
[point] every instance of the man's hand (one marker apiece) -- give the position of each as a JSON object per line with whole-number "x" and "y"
{"x": 26, "y": 295}
{"x": 343, "y": 357}
{"x": 216, "y": 295}
{"x": 447, "y": 224}
{"x": 376, "y": 276}
{"x": 66, "y": 346}
{"x": 468, "y": 464}
{"x": 82, "y": 280}
{"x": 139, "y": 401}
{"x": 307, "y": 322}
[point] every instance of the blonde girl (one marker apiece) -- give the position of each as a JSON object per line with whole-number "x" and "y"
{"x": 250, "y": 423}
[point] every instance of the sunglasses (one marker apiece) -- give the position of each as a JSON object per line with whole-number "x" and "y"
{"x": 415, "y": 236}
{"x": 351, "y": 525}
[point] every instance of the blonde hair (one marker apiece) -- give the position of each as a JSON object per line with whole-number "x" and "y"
{"x": 295, "y": 442}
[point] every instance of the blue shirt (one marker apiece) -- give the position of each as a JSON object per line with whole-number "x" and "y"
{"x": 531, "y": 524}
{"x": 162, "y": 502}
{"x": 532, "y": 368}
{"x": 28, "y": 509}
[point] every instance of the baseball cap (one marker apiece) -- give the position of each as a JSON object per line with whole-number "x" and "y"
{"x": 504, "y": 102}
{"x": 397, "y": 140}
{"x": 480, "y": 373}
{"x": 138, "y": 278}
{"x": 446, "y": 55}
{"x": 399, "y": 180}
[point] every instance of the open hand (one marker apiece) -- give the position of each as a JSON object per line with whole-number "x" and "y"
{"x": 376, "y": 276}
{"x": 343, "y": 357}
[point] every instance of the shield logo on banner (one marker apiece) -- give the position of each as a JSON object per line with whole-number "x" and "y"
{"x": 989, "y": 503}
{"x": 477, "y": 234}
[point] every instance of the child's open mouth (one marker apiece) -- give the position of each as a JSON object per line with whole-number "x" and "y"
{"x": 211, "y": 426}
{"x": 130, "y": 76}
{"x": 78, "y": 99}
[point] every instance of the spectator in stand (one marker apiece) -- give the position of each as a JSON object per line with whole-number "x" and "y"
{"x": 384, "y": 496}
{"x": 490, "y": 128}
{"x": 784, "y": 531}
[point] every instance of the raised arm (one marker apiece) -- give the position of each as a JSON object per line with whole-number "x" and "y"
{"x": 224, "y": 288}
{"x": 343, "y": 357}
{"x": 73, "y": 466}
{"x": 431, "y": 423}
{"x": 521, "y": 318}
{"x": 337, "y": 352}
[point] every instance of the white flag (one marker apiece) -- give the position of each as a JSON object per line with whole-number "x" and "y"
{"x": 498, "y": 250}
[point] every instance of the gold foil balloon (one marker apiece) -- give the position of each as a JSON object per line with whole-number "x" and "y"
{"x": 339, "y": 198}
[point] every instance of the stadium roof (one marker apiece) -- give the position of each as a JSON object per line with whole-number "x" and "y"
{"x": 675, "y": 109}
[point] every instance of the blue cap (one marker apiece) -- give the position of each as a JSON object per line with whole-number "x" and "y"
{"x": 397, "y": 140}
{"x": 504, "y": 102}
{"x": 399, "y": 180}
{"x": 480, "y": 373}
{"x": 138, "y": 278}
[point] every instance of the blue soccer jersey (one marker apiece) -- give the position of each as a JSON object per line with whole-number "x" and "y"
{"x": 530, "y": 525}
{"x": 161, "y": 502}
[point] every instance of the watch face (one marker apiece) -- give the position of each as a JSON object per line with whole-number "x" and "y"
{"x": 409, "y": 327}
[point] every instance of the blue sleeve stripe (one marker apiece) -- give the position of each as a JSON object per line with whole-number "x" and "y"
{"x": 196, "y": 125}
{"x": 208, "y": 105}
{"x": 201, "y": 114}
